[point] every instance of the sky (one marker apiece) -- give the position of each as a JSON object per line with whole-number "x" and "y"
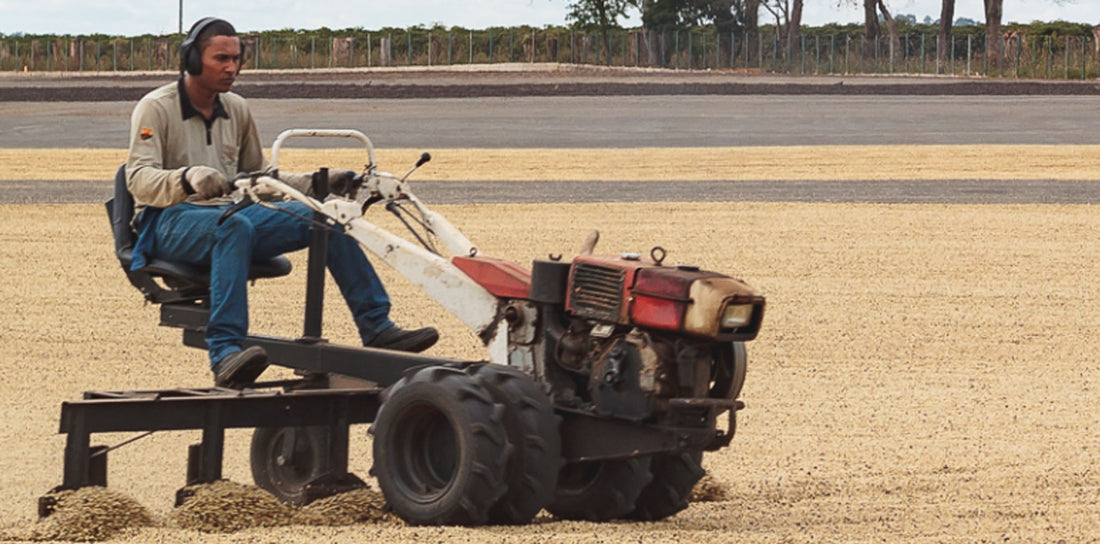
{"x": 132, "y": 18}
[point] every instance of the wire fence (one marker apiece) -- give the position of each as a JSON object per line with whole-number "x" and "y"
{"x": 1054, "y": 57}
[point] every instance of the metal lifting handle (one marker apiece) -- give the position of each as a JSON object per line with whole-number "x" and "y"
{"x": 321, "y": 133}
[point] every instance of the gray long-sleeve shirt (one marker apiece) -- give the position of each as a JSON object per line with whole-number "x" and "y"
{"x": 167, "y": 135}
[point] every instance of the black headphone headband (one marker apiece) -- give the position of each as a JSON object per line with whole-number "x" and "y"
{"x": 190, "y": 56}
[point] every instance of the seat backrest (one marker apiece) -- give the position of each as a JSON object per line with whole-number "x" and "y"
{"x": 185, "y": 282}
{"x": 120, "y": 210}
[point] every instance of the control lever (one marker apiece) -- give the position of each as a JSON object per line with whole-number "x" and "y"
{"x": 424, "y": 157}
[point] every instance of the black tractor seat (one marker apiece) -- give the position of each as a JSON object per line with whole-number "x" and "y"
{"x": 182, "y": 281}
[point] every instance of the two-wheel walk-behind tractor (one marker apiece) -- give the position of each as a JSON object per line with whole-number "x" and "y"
{"x": 607, "y": 378}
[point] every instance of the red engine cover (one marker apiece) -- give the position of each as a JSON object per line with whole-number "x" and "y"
{"x": 660, "y": 298}
{"x": 638, "y": 292}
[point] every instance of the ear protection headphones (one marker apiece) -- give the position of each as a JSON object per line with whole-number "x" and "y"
{"x": 190, "y": 56}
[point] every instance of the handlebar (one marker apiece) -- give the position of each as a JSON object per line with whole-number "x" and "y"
{"x": 321, "y": 133}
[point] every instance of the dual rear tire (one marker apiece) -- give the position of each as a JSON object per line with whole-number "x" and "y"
{"x": 466, "y": 446}
{"x": 476, "y": 444}
{"x": 440, "y": 449}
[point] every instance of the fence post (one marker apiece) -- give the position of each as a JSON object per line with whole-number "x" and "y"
{"x": 1004, "y": 51}
{"x": 1049, "y": 57}
{"x": 733, "y": 51}
{"x": 923, "y": 55}
{"x": 718, "y": 49}
{"x": 951, "y": 56}
{"x": 409, "y": 49}
{"x": 490, "y": 46}
{"x": 1065, "y": 55}
{"x": 985, "y": 58}
{"x": 832, "y": 52}
{"x": 691, "y": 51}
{"x": 511, "y": 45}
{"x": 760, "y": 49}
{"x": 1018, "y": 49}
{"x": 775, "y": 51}
{"x": 874, "y": 66}
{"x": 624, "y": 40}
{"x": 450, "y": 46}
{"x": 676, "y": 51}
{"x": 748, "y": 61}
{"x": 969, "y": 52}
{"x": 802, "y": 54}
{"x": 905, "y": 55}
{"x": 704, "y": 67}
{"x": 1084, "y": 43}
{"x": 471, "y": 48}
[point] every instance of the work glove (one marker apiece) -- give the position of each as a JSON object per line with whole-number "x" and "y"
{"x": 344, "y": 182}
{"x": 205, "y": 182}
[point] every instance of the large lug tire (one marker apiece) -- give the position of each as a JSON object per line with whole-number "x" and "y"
{"x": 533, "y": 431}
{"x": 440, "y": 448}
{"x": 600, "y": 490}
{"x": 674, "y": 476}
{"x": 285, "y": 459}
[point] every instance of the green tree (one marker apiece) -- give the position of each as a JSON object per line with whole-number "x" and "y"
{"x": 947, "y": 14}
{"x": 599, "y": 15}
{"x": 788, "y": 19}
{"x": 726, "y": 16}
{"x": 993, "y": 50}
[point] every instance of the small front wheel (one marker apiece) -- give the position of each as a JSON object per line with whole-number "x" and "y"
{"x": 285, "y": 459}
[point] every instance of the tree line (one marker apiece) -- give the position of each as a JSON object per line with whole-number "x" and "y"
{"x": 744, "y": 16}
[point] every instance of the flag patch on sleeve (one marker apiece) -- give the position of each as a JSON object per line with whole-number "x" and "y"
{"x": 146, "y": 133}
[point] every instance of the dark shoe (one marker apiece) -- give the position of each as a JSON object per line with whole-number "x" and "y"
{"x": 241, "y": 368}
{"x": 399, "y": 339}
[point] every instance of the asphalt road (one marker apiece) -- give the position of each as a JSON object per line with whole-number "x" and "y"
{"x": 504, "y": 192}
{"x": 627, "y": 122}
{"x": 617, "y": 122}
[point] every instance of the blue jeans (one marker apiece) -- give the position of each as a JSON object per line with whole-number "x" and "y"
{"x": 190, "y": 233}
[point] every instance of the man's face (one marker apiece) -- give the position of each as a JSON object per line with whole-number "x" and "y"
{"x": 221, "y": 60}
